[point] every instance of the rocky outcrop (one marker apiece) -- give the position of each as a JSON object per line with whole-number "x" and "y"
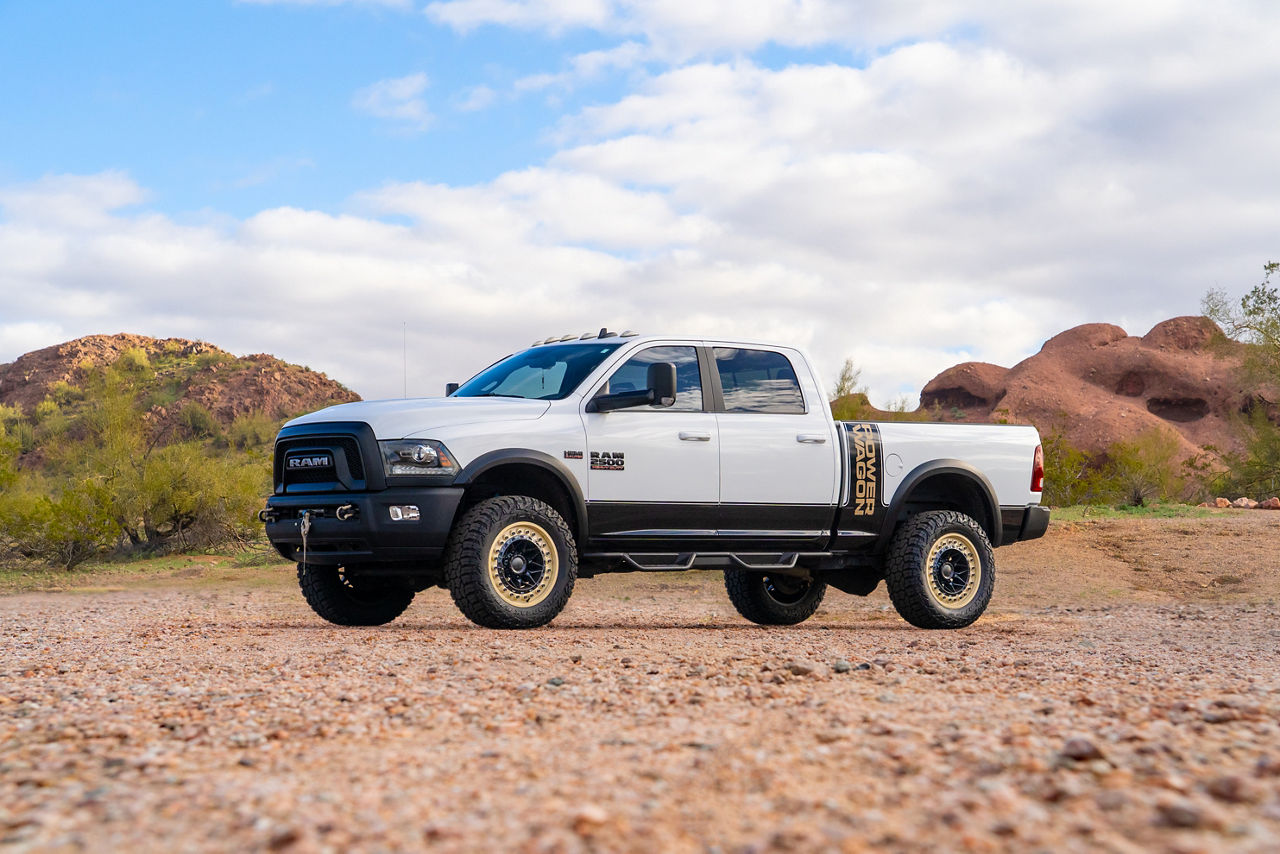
{"x": 225, "y": 385}
{"x": 1097, "y": 385}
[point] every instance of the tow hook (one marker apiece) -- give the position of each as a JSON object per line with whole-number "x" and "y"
{"x": 268, "y": 515}
{"x": 346, "y": 512}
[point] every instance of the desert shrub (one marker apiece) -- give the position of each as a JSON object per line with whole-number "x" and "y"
{"x": 1255, "y": 471}
{"x": 1071, "y": 476}
{"x": 197, "y": 422}
{"x": 24, "y": 433}
{"x": 252, "y": 431}
{"x": 853, "y": 407}
{"x": 62, "y": 528}
{"x": 1131, "y": 473}
{"x": 64, "y": 393}
{"x": 9, "y": 416}
{"x": 1146, "y": 468}
{"x": 204, "y": 361}
{"x": 133, "y": 360}
{"x": 105, "y": 479}
{"x": 45, "y": 410}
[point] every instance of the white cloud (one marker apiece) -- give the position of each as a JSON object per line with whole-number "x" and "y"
{"x": 942, "y": 200}
{"x": 476, "y": 98}
{"x": 398, "y": 99}
{"x": 585, "y": 67}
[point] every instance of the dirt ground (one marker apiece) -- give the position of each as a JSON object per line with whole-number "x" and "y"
{"x": 1122, "y": 694}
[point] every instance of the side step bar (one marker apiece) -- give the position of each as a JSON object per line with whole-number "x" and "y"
{"x": 672, "y": 562}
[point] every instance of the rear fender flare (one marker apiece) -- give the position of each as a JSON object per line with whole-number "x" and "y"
{"x": 991, "y": 517}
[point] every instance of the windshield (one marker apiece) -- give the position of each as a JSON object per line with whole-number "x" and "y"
{"x": 541, "y": 373}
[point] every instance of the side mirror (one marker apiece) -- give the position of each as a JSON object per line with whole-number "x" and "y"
{"x": 662, "y": 383}
{"x": 661, "y": 392}
{"x": 450, "y": 388}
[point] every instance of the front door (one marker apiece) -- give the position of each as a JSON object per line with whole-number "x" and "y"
{"x": 779, "y": 463}
{"x": 654, "y": 471}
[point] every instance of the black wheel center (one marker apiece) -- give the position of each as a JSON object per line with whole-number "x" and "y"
{"x": 786, "y": 590}
{"x": 521, "y": 565}
{"x": 951, "y": 572}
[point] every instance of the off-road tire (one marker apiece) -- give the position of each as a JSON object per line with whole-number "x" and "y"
{"x": 477, "y": 568}
{"x": 914, "y": 570}
{"x": 773, "y": 600}
{"x": 351, "y": 601}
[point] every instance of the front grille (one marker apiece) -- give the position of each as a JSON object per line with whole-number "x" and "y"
{"x": 351, "y": 451}
{"x": 347, "y": 446}
{"x": 323, "y": 475}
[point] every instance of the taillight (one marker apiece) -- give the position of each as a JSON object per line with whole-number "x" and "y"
{"x": 1037, "y": 470}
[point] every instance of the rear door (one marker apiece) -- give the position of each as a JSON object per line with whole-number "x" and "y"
{"x": 779, "y": 459}
{"x": 654, "y": 472}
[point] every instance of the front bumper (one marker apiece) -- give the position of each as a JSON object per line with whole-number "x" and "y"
{"x": 369, "y": 535}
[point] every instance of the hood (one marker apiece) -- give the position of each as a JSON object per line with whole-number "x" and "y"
{"x": 416, "y": 417}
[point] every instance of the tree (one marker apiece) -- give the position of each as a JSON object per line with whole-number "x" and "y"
{"x": 1256, "y": 320}
{"x": 847, "y": 382}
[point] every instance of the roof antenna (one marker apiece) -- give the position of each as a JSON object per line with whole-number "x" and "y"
{"x": 604, "y": 332}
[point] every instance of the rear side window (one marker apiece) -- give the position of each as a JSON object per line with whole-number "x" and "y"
{"x": 758, "y": 381}
{"x": 634, "y": 376}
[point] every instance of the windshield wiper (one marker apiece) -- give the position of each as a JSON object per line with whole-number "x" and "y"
{"x": 495, "y": 394}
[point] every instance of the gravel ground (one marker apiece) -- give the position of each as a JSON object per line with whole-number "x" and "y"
{"x": 211, "y": 716}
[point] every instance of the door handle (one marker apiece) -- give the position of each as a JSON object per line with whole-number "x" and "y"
{"x": 686, "y": 436}
{"x": 811, "y": 439}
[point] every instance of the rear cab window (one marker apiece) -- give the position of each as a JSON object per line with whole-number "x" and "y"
{"x": 758, "y": 381}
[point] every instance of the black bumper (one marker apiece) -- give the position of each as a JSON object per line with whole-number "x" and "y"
{"x": 368, "y": 536}
{"x": 1023, "y": 523}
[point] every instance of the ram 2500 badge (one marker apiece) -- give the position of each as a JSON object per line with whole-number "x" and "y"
{"x": 620, "y": 453}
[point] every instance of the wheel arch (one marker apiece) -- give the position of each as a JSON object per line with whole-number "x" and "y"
{"x": 944, "y": 485}
{"x": 523, "y": 471}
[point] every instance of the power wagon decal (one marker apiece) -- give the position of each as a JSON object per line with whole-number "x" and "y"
{"x": 865, "y": 508}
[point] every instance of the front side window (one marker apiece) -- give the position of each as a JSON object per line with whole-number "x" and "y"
{"x": 634, "y": 376}
{"x": 758, "y": 381}
{"x": 540, "y": 373}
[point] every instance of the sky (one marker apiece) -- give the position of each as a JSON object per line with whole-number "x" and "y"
{"x": 357, "y": 185}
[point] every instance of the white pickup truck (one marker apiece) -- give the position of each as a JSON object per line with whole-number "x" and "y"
{"x": 620, "y": 453}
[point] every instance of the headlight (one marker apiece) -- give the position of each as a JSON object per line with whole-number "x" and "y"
{"x": 417, "y": 457}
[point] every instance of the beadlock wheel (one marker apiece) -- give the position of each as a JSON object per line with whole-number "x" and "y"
{"x": 940, "y": 570}
{"x": 523, "y": 564}
{"x": 511, "y": 563}
{"x": 953, "y": 571}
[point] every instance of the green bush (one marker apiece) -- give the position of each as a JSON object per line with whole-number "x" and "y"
{"x": 134, "y": 361}
{"x": 1146, "y": 469}
{"x": 197, "y": 422}
{"x": 108, "y": 482}
{"x": 252, "y": 431}
{"x": 64, "y": 393}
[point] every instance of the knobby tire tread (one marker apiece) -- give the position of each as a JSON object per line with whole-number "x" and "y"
{"x": 746, "y": 592}
{"x": 466, "y": 573}
{"x": 904, "y": 570}
{"x": 330, "y": 599}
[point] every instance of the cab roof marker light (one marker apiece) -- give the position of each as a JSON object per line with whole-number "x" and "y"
{"x": 587, "y": 335}
{"x": 629, "y": 334}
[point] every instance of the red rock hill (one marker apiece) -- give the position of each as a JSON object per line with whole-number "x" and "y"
{"x": 227, "y": 386}
{"x": 1099, "y": 385}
